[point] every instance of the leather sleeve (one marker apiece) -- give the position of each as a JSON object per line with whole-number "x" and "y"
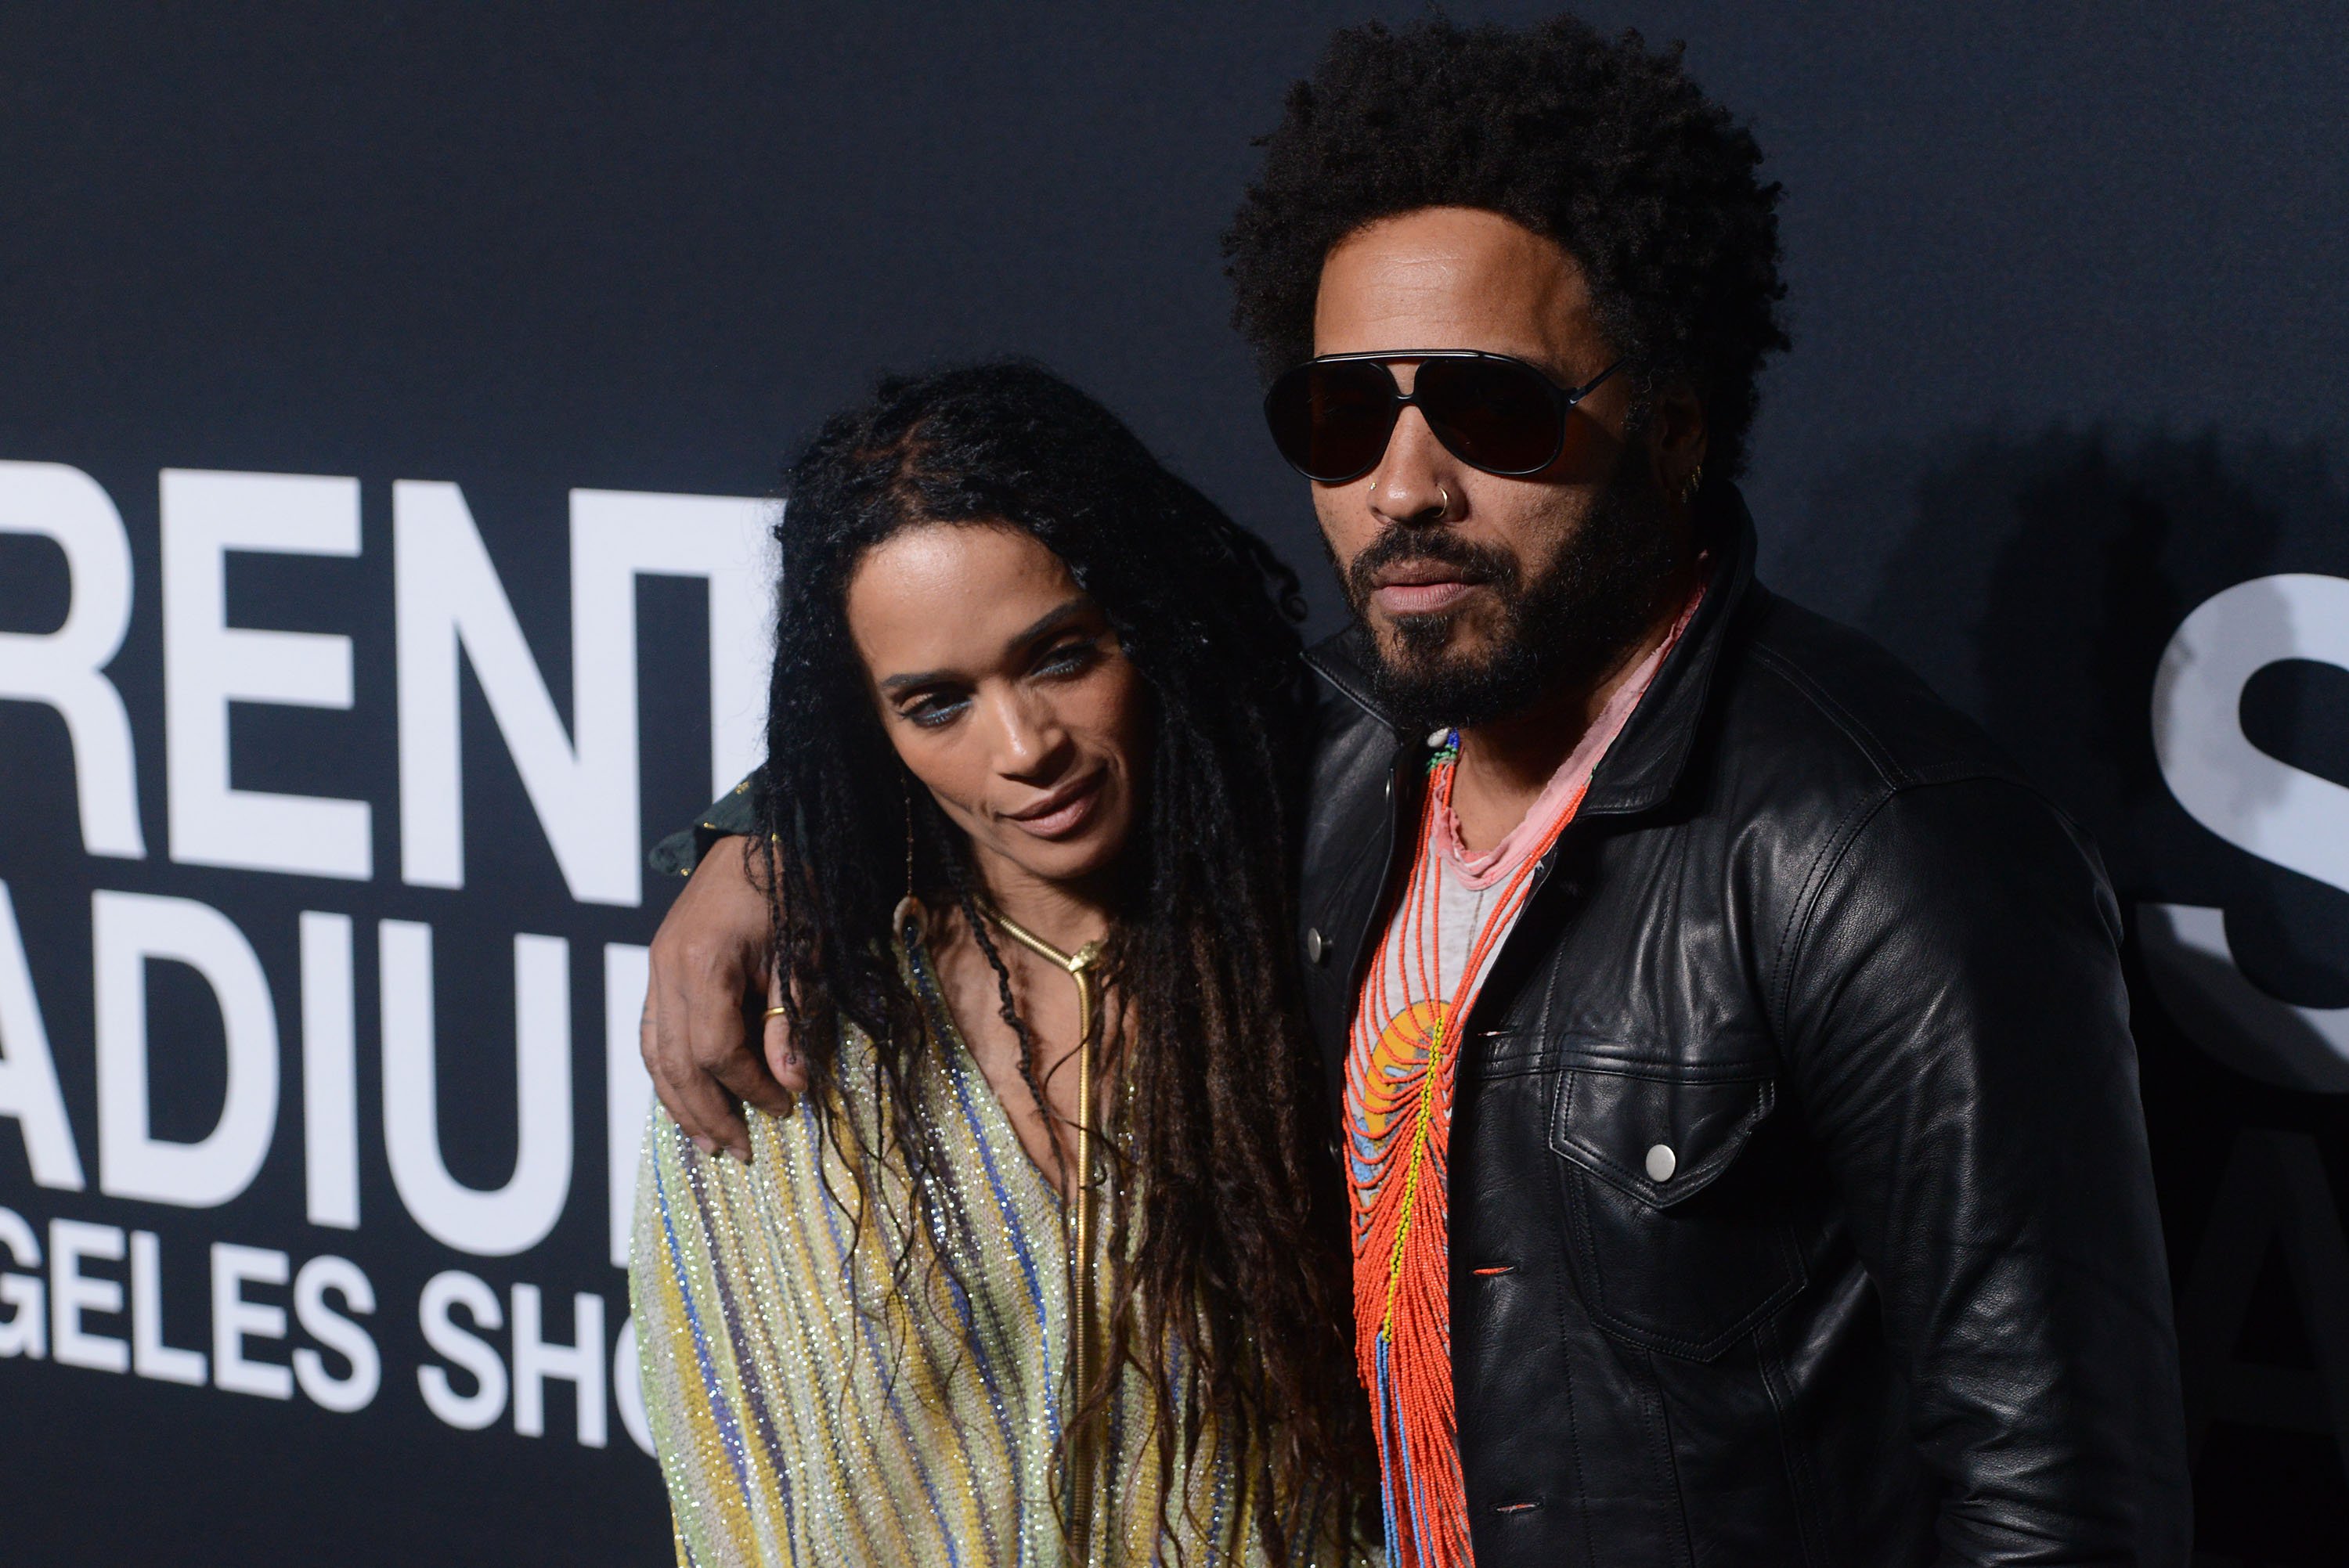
{"x": 732, "y": 813}
{"x": 1952, "y": 1003}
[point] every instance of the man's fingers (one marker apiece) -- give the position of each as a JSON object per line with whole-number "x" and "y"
{"x": 719, "y": 1046}
{"x": 783, "y": 1059}
{"x": 746, "y": 1076}
{"x": 702, "y": 1107}
{"x": 703, "y": 1110}
{"x": 723, "y": 1044}
{"x": 666, "y": 1068}
{"x": 705, "y": 963}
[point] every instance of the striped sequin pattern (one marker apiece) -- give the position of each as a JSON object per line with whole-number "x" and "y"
{"x": 804, "y": 1411}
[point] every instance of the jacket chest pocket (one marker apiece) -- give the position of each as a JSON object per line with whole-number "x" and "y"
{"x": 1674, "y": 1248}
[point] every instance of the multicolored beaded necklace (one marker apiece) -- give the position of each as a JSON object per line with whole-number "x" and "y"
{"x": 1401, "y": 1065}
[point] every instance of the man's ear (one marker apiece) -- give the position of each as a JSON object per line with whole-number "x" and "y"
{"x": 1676, "y": 439}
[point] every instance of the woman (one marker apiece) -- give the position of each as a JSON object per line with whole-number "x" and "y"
{"x": 1042, "y": 1268}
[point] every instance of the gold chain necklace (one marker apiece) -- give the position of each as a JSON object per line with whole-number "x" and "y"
{"x": 1083, "y": 1347}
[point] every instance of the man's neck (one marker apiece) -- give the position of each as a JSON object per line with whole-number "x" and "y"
{"x": 1506, "y": 764}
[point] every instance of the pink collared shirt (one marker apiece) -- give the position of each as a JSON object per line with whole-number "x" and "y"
{"x": 1478, "y": 871}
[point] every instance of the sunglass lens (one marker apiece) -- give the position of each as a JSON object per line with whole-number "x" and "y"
{"x": 1332, "y": 421}
{"x": 1493, "y": 413}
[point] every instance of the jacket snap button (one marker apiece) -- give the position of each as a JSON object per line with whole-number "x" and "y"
{"x": 1316, "y": 949}
{"x": 1661, "y": 1162}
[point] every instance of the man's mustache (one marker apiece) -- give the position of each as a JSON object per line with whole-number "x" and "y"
{"x": 1402, "y": 546}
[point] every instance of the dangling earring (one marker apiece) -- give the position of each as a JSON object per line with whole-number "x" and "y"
{"x": 908, "y": 912}
{"x": 1695, "y": 479}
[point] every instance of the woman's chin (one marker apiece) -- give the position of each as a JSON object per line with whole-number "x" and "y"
{"x": 1083, "y": 858}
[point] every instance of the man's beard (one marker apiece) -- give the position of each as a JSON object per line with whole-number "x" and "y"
{"x": 1565, "y": 628}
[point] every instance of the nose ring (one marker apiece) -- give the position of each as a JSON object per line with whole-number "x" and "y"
{"x": 1446, "y": 495}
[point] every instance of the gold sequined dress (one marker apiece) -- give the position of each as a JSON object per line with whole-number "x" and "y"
{"x": 806, "y": 1412}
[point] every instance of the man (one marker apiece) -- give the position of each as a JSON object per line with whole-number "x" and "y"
{"x": 1739, "y": 1107}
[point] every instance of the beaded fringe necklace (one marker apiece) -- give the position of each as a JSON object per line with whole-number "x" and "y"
{"x": 1400, "y": 1067}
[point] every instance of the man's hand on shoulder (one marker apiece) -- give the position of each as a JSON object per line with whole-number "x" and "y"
{"x": 711, "y": 976}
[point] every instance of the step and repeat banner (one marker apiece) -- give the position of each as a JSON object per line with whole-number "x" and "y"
{"x": 389, "y": 404}
{"x": 305, "y": 1123}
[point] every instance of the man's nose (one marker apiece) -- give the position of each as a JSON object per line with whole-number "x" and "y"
{"x": 1417, "y": 481}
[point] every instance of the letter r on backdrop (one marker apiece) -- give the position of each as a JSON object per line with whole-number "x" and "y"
{"x": 67, "y": 668}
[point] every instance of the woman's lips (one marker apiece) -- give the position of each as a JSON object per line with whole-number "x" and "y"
{"x": 1064, "y": 812}
{"x": 1421, "y": 598}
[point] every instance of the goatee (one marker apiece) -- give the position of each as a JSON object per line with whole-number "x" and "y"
{"x": 1566, "y": 627}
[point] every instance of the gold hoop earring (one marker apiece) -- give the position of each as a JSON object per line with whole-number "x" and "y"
{"x": 1695, "y": 479}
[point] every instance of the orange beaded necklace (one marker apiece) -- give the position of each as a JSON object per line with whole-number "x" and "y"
{"x": 1401, "y": 1066}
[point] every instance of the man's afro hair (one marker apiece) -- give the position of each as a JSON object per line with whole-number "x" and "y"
{"x": 1601, "y": 144}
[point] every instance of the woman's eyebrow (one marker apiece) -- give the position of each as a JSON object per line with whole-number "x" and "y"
{"x": 1051, "y": 621}
{"x": 1043, "y": 626}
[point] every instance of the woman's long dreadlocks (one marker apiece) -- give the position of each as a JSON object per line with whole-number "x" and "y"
{"x": 1235, "y": 1289}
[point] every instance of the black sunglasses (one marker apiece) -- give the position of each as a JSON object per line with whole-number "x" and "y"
{"x": 1331, "y": 417}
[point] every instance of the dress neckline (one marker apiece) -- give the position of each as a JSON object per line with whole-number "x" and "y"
{"x": 915, "y": 946}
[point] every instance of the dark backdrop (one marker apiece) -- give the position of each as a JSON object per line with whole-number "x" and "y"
{"x": 2069, "y": 343}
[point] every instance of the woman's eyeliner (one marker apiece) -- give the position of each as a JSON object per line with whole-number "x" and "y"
{"x": 1069, "y": 659}
{"x": 934, "y": 712}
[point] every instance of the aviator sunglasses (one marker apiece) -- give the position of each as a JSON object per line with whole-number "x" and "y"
{"x": 1331, "y": 417}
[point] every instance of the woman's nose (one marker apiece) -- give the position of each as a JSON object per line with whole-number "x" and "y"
{"x": 1030, "y": 738}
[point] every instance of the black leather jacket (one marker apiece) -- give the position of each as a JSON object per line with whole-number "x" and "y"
{"x": 1897, "y": 1295}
